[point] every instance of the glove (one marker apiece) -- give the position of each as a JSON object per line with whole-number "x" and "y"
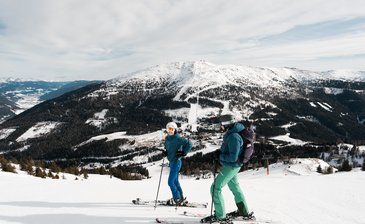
{"x": 217, "y": 153}
{"x": 180, "y": 154}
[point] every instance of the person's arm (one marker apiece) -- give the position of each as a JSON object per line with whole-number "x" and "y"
{"x": 186, "y": 145}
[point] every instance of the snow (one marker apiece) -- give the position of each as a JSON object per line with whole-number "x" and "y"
{"x": 333, "y": 91}
{"x": 39, "y": 129}
{"x": 201, "y": 75}
{"x": 287, "y": 138}
{"x": 325, "y": 106}
{"x": 181, "y": 112}
{"x": 99, "y": 120}
{"x": 4, "y": 133}
{"x": 193, "y": 118}
{"x": 27, "y": 101}
{"x": 292, "y": 193}
{"x": 308, "y": 118}
{"x": 362, "y": 148}
{"x": 290, "y": 124}
{"x": 346, "y": 75}
{"x": 139, "y": 140}
{"x": 21, "y": 149}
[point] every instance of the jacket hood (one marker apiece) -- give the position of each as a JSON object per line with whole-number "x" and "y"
{"x": 237, "y": 127}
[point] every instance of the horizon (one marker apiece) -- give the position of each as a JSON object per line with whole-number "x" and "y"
{"x": 78, "y": 40}
{"x": 127, "y": 75}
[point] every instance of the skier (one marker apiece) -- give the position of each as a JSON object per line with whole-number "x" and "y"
{"x": 228, "y": 156}
{"x": 176, "y": 148}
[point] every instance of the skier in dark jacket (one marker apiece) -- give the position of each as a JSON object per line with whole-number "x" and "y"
{"x": 176, "y": 148}
{"x": 228, "y": 156}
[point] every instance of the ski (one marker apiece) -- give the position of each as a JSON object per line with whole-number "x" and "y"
{"x": 173, "y": 221}
{"x": 194, "y": 214}
{"x": 139, "y": 201}
{"x": 187, "y": 221}
{"x": 239, "y": 219}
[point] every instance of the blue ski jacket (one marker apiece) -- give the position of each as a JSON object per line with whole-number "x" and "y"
{"x": 174, "y": 143}
{"x": 231, "y": 146}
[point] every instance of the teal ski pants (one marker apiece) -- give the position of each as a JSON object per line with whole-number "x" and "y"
{"x": 227, "y": 175}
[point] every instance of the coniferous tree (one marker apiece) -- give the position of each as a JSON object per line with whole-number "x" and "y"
{"x": 102, "y": 171}
{"x": 54, "y": 167}
{"x": 363, "y": 165}
{"x": 85, "y": 175}
{"x": 346, "y": 166}
{"x": 50, "y": 174}
{"x": 319, "y": 169}
{"x": 6, "y": 166}
{"x": 39, "y": 172}
{"x": 27, "y": 166}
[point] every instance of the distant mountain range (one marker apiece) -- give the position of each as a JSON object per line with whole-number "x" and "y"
{"x": 122, "y": 120}
{"x": 18, "y": 95}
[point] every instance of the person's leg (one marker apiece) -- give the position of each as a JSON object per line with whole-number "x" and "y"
{"x": 174, "y": 173}
{"x": 223, "y": 177}
{"x": 239, "y": 197}
{"x": 177, "y": 183}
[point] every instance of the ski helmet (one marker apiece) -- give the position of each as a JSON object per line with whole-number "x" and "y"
{"x": 171, "y": 125}
{"x": 226, "y": 119}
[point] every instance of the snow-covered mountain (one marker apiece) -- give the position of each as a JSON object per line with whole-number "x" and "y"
{"x": 17, "y": 95}
{"x": 291, "y": 193}
{"x": 121, "y": 120}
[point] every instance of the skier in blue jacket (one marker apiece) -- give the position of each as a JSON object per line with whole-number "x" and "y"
{"x": 176, "y": 148}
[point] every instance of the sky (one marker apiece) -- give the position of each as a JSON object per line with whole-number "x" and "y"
{"x": 100, "y": 40}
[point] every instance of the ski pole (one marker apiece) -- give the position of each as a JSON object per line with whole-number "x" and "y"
{"x": 159, "y": 182}
{"x": 214, "y": 174}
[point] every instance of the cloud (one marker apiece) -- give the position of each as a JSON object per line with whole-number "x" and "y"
{"x": 2, "y": 28}
{"x": 103, "y": 39}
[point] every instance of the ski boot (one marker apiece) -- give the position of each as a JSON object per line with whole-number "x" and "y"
{"x": 180, "y": 202}
{"x": 213, "y": 219}
{"x": 170, "y": 202}
{"x": 177, "y": 202}
{"x": 237, "y": 214}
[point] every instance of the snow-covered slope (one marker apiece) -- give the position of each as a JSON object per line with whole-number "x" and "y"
{"x": 282, "y": 197}
{"x": 202, "y": 74}
{"x": 17, "y": 95}
{"x": 205, "y": 72}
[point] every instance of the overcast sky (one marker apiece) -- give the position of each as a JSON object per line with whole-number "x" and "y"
{"x": 102, "y": 39}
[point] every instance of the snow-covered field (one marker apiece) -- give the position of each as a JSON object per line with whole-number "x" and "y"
{"x": 290, "y": 194}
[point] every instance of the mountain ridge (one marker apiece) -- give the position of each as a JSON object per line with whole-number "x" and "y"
{"x": 288, "y": 108}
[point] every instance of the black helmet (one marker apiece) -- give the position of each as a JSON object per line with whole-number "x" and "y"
{"x": 226, "y": 119}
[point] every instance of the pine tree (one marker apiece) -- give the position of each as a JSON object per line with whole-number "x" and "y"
{"x": 6, "y": 166}
{"x": 363, "y": 165}
{"x": 346, "y": 166}
{"x": 27, "y": 166}
{"x": 86, "y": 175}
{"x": 102, "y": 171}
{"x": 54, "y": 167}
{"x": 50, "y": 174}
{"x": 39, "y": 173}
